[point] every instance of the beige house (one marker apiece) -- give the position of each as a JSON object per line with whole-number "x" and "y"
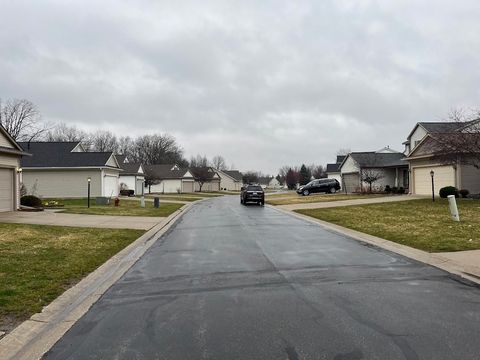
{"x": 10, "y": 157}
{"x": 422, "y": 162}
{"x": 169, "y": 178}
{"x": 230, "y": 180}
{"x": 62, "y": 170}
{"x": 386, "y": 164}
{"x": 333, "y": 170}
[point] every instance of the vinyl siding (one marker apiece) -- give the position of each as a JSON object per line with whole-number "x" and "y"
{"x": 9, "y": 160}
{"x": 12, "y": 162}
{"x": 62, "y": 183}
{"x": 417, "y": 136}
{"x": 349, "y": 166}
{"x": 5, "y": 142}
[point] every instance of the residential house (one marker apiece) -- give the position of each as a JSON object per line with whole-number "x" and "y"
{"x": 169, "y": 178}
{"x": 274, "y": 183}
{"x": 133, "y": 175}
{"x": 62, "y": 169}
{"x": 10, "y": 157}
{"x": 206, "y": 179}
{"x": 333, "y": 170}
{"x": 230, "y": 180}
{"x": 420, "y": 150}
{"x": 386, "y": 164}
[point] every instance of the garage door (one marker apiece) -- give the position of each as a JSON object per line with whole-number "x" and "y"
{"x": 444, "y": 176}
{"x": 351, "y": 182}
{"x": 110, "y": 186}
{"x": 6, "y": 189}
{"x": 188, "y": 186}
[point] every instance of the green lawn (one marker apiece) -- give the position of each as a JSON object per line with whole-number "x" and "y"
{"x": 294, "y": 198}
{"x": 421, "y": 224}
{"x": 38, "y": 263}
{"x": 127, "y": 207}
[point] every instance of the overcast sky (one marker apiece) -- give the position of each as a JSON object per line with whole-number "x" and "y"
{"x": 263, "y": 83}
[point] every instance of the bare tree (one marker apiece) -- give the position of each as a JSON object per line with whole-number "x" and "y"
{"x": 460, "y": 145}
{"x": 250, "y": 177}
{"x": 22, "y": 120}
{"x": 157, "y": 149}
{"x": 218, "y": 162}
{"x": 370, "y": 176}
{"x": 198, "y": 161}
{"x": 104, "y": 141}
{"x": 63, "y": 132}
{"x": 201, "y": 174}
{"x": 125, "y": 146}
{"x": 318, "y": 171}
{"x": 344, "y": 151}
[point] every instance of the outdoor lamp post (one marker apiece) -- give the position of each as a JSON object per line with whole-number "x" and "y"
{"x": 89, "y": 180}
{"x": 432, "y": 174}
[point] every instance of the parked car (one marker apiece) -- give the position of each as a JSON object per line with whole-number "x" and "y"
{"x": 319, "y": 185}
{"x": 252, "y": 193}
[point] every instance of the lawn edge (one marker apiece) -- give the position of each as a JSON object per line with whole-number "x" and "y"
{"x": 35, "y": 336}
{"x": 471, "y": 273}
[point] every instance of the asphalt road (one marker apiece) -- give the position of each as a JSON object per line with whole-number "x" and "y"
{"x": 246, "y": 282}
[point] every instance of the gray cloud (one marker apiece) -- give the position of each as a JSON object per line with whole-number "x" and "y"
{"x": 262, "y": 83}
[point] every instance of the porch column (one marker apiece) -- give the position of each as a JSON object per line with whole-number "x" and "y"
{"x": 396, "y": 177}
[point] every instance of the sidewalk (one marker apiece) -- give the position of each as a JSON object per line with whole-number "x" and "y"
{"x": 330, "y": 204}
{"x": 50, "y": 217}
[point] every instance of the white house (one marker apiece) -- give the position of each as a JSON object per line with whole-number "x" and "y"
{"x": 133, "y": 175}
{"x": 333, "y": 170}
{"x": 169, "y": 178}
{"x": 10, "y": 157}
{"x": 230, "y": 180}
{"x": 62, "y": 170}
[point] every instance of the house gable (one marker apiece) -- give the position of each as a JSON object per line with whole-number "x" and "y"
{"x": 7, "y": 141}
{"x": 112, "y": 161}
{"x": 349, "y": 165}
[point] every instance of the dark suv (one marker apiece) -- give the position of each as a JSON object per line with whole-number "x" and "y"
{"x": 319, "y": 185}
{"x": 252, "y": 193}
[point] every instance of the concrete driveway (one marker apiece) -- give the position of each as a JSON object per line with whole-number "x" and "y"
{"x": 50, "y": 217}
{"x": 247, "y": 282}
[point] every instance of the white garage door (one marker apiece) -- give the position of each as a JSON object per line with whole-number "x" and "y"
{"x": 139, "y": 187}
{"x": 443, "y": 176}
{"x": 6, "y": 190}
{"x": 110, "y": 186}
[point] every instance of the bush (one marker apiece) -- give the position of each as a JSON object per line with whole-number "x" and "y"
{"x": 394, "y": 189}
{"x": 448, "y": 190}
{"x": 127, "y": 192}
{"x": 401, "y": 190}
{"x": 31, "y": 201}
{"x": 463, "y": 193}
{"x": 388, "y": 189}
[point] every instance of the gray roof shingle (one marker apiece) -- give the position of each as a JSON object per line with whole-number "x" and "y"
{"x": 59, "y": 155}
{"x": 237, "y": 175}
{"x": 374, "y": 159}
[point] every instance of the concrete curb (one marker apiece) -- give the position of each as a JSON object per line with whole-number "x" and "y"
{"x": 35, "y": 336}
{"x": 471, "y": 273}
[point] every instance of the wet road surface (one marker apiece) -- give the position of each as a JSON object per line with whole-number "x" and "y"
{"x": 245, "y": 282}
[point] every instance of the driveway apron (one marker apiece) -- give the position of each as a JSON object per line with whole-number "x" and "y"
{"x": 246, "y": 282}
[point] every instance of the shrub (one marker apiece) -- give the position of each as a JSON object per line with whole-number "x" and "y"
{"x": 401, "y": 190}
{"x": 30, "y": 200}
{"x": 388, "y": 189}
{"x": 448, "y": 190}
{"x": 394, "y": 189}
{"x": 464, "y": 193}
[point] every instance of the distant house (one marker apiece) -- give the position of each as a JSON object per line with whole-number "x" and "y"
{"x": 10, "y": 156}
{"x": 389, "y": 165}
{"x": 61, "y": 169}
{"x": 230, "y": 180}
{"x": 274, "y": 183}
{"x": 420, "y": 150}
{"x": 133, "y": 175}
{"x": 206, "y": 178}
{"x": 333, "y": 170}
{"x": 169, "y": 178}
